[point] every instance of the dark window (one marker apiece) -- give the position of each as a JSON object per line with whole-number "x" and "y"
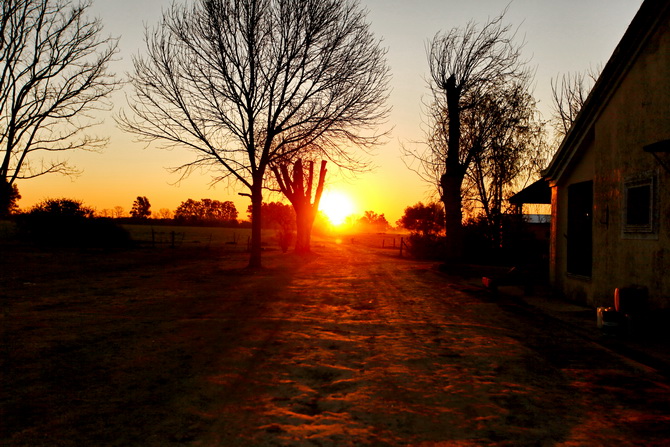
{"x": 580, "y": 228}
{"x": 639, "y": 208}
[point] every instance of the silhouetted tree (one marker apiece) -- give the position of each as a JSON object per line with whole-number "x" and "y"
{"x": 105, "y": 212}
{"x": 298, "y": 190}
{"x": 280, "y": 217}
{"x": 189, "y": 210}
{"x": 9, "y": 198}
{"x": 53, "y": 72}
{"x": 511, "y": 150}
{"x": 469, "y": 67}
{"x": 249, "y": 83}
{"x": 373, "y": 221}
{"x": 68, "y": 222}
{"x": 118, "y": 212}
{"x": 568, "y": 98}
{"x": 141, "y": 208}
{"x": 164, "y": 213}
{"x": 276, "y": 214}
{"x": 66, "y": 208}
{"x": 423, "y": 219}
{"x": 206, "y": 211}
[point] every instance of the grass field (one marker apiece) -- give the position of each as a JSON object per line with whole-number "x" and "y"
{"x": 229, "y": 239}
{"x": 178, "y": 236}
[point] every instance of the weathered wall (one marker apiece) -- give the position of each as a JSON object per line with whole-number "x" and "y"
{"x": 637, "y": 114}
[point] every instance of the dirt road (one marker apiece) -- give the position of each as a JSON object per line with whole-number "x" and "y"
{"x": 352, "y": 346}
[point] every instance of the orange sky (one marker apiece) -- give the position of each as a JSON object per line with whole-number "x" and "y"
{"x": 560, "y": 37}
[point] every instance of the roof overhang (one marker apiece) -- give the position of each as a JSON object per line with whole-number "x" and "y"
{"x": 537, "y": 193}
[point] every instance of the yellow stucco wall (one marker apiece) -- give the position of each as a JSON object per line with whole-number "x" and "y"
{"x": 637, "y": 114}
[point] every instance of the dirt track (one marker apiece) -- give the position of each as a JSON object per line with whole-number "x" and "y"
{"x": 352, "y": 346}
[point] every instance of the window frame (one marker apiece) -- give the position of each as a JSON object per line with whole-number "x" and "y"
{"x": 636, "y": 230}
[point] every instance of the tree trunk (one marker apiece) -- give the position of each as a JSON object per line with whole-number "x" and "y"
{"x": 305, "y": 215}
{"x": 452, "y": 180}
{"x": 256, "y": 207}
{"x": 5, "y": 197}
{"x": 300, "y": 196}
{"x": 451, "y": 197}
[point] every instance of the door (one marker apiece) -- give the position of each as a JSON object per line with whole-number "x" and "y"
{"x": 580, "y": 229}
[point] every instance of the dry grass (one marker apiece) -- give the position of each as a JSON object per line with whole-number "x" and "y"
{"x": 350, "y": 346}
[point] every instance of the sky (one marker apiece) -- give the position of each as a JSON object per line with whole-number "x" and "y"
{"x": 560, "y": 37}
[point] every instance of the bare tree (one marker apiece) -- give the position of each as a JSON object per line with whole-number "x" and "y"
{"x": 249, "y": 83}
{"x": 54, "y": 72}
{"x": 298, "y": 190}
{"x": 510, "y": 139}
{"x": 165, "y": 214}
{"x": 505, "y": 141}
{"x": 569, "y": 96}
{"x": 468, "y": 67}
{"x": 105, "y": 213}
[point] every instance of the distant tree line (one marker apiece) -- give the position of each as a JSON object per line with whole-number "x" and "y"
{"x": 189, "y": 212}
{"x": 372, "y": 222}
{"x": 206, "y": 211}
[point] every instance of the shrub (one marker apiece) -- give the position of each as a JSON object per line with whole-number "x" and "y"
{"x": 9, "y": 197}
{"x": 66, "y": 208}
{"x": 423, "y": 219}
{"x": 428, "y": 246}
{"x": 67, "y": 223}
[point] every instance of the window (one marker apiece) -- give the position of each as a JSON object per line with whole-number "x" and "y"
{"x": 639, "y": 207}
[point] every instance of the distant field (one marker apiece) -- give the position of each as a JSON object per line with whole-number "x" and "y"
{"x": 166, "y": 235}
{"x": 232, "y": 239}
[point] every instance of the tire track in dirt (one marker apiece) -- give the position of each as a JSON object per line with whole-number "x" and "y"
{"x": 370, "y": 355}
{"x": 374, "y": 350}
{"x": 348, "y": 347}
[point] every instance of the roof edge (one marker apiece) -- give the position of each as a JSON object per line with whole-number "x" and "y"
{"x": 646, "y": 21}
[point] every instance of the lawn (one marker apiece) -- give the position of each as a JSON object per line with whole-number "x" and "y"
{"x": 176, "y": 236}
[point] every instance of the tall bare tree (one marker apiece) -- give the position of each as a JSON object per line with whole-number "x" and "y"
{"x": 53, "y": 72}
{"x": 569, "y": 95}
{"x": 468, "y": 67}
{"x": 510, "y": 139}
{"x": 247, "y": 84}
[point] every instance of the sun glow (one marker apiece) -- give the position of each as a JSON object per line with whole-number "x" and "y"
{"x": 336, "y": 206}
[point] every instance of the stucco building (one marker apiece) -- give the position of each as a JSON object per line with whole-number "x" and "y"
{"x": 610, "y": 178}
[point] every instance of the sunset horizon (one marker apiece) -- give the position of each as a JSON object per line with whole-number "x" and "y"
{"x": 334, "y": 223}
{"x": 126, "y": 169}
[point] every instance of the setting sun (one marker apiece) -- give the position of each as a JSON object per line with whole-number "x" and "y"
{"x": 336, "y": 206}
